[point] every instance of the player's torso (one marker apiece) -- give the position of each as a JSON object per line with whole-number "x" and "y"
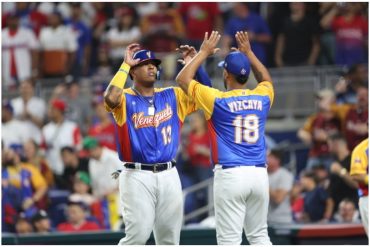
{"x": 237, "y": 130}
{"x": 153, "y": 130}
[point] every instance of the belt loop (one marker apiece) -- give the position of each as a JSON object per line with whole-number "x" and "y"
{"x": 169, "y": 165}
{"x": 137, "y": 166}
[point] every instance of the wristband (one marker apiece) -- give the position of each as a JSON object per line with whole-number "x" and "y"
{"x": 119, "y": 79}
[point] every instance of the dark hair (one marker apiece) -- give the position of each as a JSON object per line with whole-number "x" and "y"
{"x": 278, "y": 154}
{"x": 241, "y": 79}
{"x": 68, "y": 149}
{"x": 311, "y": 175}
{"x": 337, "y": 137}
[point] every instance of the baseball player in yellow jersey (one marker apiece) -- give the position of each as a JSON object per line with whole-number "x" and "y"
{"x": 360, "y": 173}
{"x": 236, "y": 121}
{"x": 148, "y": 122}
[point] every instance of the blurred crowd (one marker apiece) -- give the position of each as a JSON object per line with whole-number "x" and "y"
{"x": 58, "y": 154}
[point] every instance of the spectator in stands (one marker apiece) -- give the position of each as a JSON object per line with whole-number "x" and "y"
{"x": 30, "y": 109}
{"x": 58, "y": 47}
{"x": 126, "y": 32}
{"x": 103, "y": 70}
{"x": 41, "y": 223}
{"x": 281, "y": 183}
{"x": 13, "y": 130}
{"x": 347, "y": 85}
{"x": 198, "y": 148}
{"x": 33, "y": 156}
{"x": 341, "y": 184}
{"x": 199, "y": 17}
{"x": 327, "y": 37}
{"x": 351, "y": 31}
{"x": 72, "y": 164}
{"x": 162, "y": 32}
{"x": 28, "y": 16}
{"x": 318, "y": 206}
{"x": 354, "y": 118}
{"x": 81, "y": 189}
{"x": 298, "y": 42}
{"x": 77, "y": 219}
{"x": 297, "y": 201}
{"x": 23, "y": 226}
{"x": 318, "y": 127}
{"x": 245, "y": 20}
{"x": 103, "y": 162}
{"x": 19, "y": 57}
{"x": 22, "y": 184}
{"x": 321, "y": 173}
{"x": 79, "y": 108}
{"x": 83, "y": 34}
{"x": 347, "y": 212}
{"x": 356, "y": 122}
{"x": 104, "y": 129}
{"x": 58, "y": 133}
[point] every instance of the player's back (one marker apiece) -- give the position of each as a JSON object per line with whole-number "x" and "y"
{"x": 237, "y": 126}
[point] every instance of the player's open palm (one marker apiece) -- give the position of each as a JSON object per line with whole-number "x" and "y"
{"x": 129, "y": 53}
{"x": 209, "y": 44}
{"x": 243, "y": 42}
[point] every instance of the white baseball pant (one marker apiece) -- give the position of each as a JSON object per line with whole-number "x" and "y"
{"x": 151, "y": 201}
{"x": 241, "y": 197}
{"x": 364, "y": 212}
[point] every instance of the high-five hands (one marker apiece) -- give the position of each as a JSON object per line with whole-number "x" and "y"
{"x": 243, "y": 42}
{"x": 129, "y": 53}
{"x": 187, "y": 52}
{"x": 209, "y": 44}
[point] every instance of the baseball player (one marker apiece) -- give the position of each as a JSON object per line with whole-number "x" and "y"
{"x": 360, "y": 173}
{"x": 148, "y": 122}
{"x": 236, "y": 120}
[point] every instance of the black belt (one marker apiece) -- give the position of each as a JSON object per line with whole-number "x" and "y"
{"x": 158, "y": 167}
{"x": 258, "y": 165}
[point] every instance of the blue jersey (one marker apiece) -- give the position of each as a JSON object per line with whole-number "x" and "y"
{"x": 150, "y": 132}
{"x": 236, "y": 121}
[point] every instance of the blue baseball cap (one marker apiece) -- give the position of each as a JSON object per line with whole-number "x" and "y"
{"x": 236, "y": 63}
{"x": 145, "y": 55}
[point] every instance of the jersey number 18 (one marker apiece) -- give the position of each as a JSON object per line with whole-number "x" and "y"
{"x": 246, "y": 129}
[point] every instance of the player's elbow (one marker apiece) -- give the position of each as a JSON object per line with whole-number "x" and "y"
{"x": 181, "y": 79}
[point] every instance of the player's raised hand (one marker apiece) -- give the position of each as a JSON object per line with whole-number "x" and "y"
{"x": 187, "y": 52}
{"x": 209, "y": 44}
{"x": 129, "y": 53}
{"x": 243, "y": 42}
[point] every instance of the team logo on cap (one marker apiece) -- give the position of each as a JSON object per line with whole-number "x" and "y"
{"x": 243, "y": 72}
{"x": 148, "y": 54}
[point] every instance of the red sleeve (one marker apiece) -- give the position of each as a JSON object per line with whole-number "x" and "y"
{"x": 91, "y": 226}
{"x": 63, "y": 227}
{"x": 77, "y": 136}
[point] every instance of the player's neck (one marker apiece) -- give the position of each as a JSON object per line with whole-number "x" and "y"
{"x": 235, "y": 85}
{"x": 144, "y": 91}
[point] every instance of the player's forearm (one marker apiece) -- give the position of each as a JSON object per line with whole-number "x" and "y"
{"x": 113, "y": 94}
{"x": 187, "y": 73}
{"x": 259, "y": 70}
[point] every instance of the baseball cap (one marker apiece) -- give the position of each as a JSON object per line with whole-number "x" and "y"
{"x": 83, "y": 177}
{"x": 145, "y": 55}
{"x": 58, "y": 104}
{"x": 90, "y": 143}
{"x": 236, "y": 63}
{"x": 39, "y": 216}
{"x": 78, "y": 203}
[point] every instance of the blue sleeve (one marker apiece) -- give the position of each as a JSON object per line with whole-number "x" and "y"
{"x": 202, "y": 76}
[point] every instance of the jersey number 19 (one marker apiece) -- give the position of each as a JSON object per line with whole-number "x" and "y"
{"x": 246, "y": 129}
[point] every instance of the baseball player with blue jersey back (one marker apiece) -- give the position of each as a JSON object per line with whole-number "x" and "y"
{"x": 148, "y": 123}
{"x": 236, "y": 121}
